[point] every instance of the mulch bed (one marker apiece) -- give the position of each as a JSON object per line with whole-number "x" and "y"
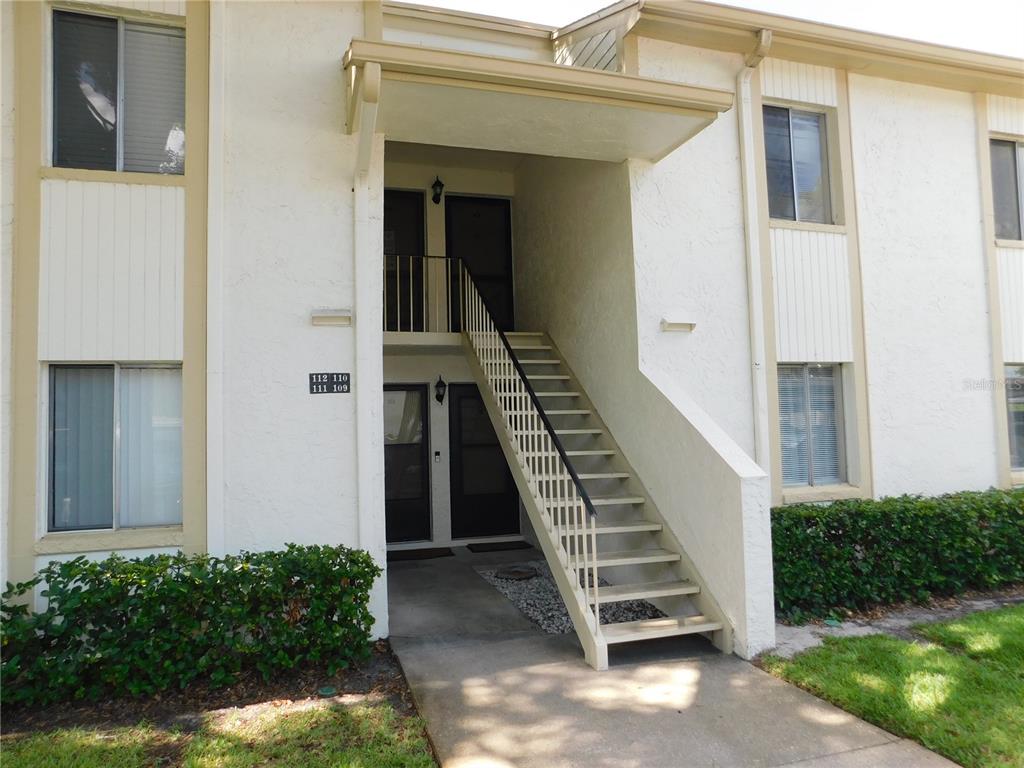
{"x": 379, "y": 678}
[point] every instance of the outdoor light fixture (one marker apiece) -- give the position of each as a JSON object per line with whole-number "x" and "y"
{"x": 438, "y": 187}
{"x": 440, "y": 388}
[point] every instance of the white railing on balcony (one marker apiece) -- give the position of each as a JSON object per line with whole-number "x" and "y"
{"x": 421, "y": 294}
{"x": 567, "y": 509}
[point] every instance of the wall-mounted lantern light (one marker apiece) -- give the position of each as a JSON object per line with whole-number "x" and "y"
{"x": 438, "y": 187}
{"x": 439, "y": 389}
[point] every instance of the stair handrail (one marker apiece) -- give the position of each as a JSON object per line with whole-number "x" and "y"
{"x": 580, "y": 530}
{"x": 534, "y": 399}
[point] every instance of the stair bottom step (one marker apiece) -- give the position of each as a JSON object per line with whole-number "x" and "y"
{"x": 648, "y": 629}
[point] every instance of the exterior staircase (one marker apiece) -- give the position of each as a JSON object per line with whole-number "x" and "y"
{"x": 602, "y": 536}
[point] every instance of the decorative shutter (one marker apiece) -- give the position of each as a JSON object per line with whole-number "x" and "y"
{"x": 84, "y": 91}
{"x": 793, "y": 425}
{"x": 154, "y": 99}
{"x": 826, "y": 459}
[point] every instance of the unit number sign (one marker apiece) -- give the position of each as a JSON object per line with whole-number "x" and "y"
{"x": 329, "y": 383}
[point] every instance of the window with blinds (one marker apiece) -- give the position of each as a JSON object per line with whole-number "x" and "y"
{"x": 811, "y": 424}
{"x": 115, "y": 446}
{"x": 796, "y": 153}
{"x": 1007, "y": 183}
{"x": 118, "y": 94}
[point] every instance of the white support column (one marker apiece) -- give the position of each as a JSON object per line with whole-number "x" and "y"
{"x": 368, "y": 381}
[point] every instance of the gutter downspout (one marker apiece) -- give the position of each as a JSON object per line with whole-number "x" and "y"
{"x": 752, "y": 232}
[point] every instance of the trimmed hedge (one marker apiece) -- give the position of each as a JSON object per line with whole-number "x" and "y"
{"x": 857, "y": 554}
{"x": 139, "y": 626}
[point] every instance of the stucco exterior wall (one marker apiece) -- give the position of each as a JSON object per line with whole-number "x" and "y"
{"x": 925, "y": 308}
{"x": 689, "y": 250}
{"x": 578, "y": 280}
{"x": 290, "y": 472}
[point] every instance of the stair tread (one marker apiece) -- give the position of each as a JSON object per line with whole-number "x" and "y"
{"x": 610, "y": 501}
{"x": 524, "y": 333}
{"x": 669, "y": 626}
{"x": 558, "y": 394}
{"x": 579, "y": 431}
{"x": 538, "y": 361}
{"x": 538, "y": 347}
{"x": 596, "y": 452}
{"x": 603, "y": 475}
{"x": 569, "y": 412}
{"x": 611, "y": 526}
{"x": 636, "y": 556}
{"x": 644, "y": 590}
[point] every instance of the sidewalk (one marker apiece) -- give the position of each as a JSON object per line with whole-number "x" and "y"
{"x": 497, "y": 692}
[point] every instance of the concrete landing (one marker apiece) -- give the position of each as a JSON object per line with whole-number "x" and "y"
{"x": 496, "y": 692}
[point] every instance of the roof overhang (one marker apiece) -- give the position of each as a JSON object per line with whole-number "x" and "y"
{"x": 721, "y": 27}
{"x": 432, "y": 96}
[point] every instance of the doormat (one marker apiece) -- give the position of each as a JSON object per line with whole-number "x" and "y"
{"x": 397, "y": 555}
{"x": 499, "y": 546}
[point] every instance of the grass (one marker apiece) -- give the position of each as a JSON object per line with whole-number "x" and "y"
{"x": 365, "y": 736}
{"x": 961, "y": 694}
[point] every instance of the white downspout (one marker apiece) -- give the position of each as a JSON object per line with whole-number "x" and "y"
{"x": 752, "y": 230}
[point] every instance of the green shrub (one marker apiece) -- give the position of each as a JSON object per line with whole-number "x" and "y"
{"x": 139, "y": 626}
{"x": 856, "y": 554}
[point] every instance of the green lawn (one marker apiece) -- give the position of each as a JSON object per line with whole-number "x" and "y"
{"x": 959, "y": 693}
{"x": 317, "y": 737}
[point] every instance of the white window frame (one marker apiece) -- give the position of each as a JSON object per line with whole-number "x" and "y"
{"x": 830, "y": 162}
{"x": 50, "y": 94}
{"x": 1018, "y": 143}
{"x": 47, "y": 414}
{"x": 838, "y": 384}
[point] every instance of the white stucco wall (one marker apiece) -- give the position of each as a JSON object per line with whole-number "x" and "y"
{"x": 689, "y": 250}
{"x": 925, "y": 308}
{"x": 290, "y": 458}
{"x": 578, "y": 280}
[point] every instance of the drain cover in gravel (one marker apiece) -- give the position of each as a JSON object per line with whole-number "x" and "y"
{"x": 516, "y": 572}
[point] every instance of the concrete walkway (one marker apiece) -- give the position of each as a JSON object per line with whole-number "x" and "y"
{"x": 497, "y": 692}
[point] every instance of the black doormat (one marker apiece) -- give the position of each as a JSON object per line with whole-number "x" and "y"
{"x": 499, "y": 546}
{"x": 397, "y": 555}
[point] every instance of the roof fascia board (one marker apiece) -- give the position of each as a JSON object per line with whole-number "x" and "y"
{"x": 533, "y": 76}
{"x": 708, "y": 25}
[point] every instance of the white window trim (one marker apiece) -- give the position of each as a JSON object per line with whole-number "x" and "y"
{"x": 46, "y": 448}
{"x": 837, "y": 220}
{"x": 48, "y": 92}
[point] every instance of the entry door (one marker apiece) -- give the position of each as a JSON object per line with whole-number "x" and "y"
{"x": 406, "y": 471}
{"x": 484, "y": 497}
{"x": 479, "y": 231}
{"x": 403, "y": 261}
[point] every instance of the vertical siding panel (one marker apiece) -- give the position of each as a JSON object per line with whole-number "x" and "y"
{"x": 179, "y": 276}
{"x": 1006, "y": 114}
{"x": 90, "y": 272}
{"x": 136, "y": 273}
{"x": 73, "y": 254}
{"x": 167, "y": 273}
{"x": 45, "y": 268}
{"x": 122, "y": 270}
{"x": 106, "y": 216}
{"x": 154, "y": 236}
{"x": 793, "y": 81}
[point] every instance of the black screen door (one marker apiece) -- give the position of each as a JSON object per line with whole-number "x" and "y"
{"x": 406, "y": 471}
{"x": 403, "y": 261}
{"x": 484, "y": 497}
{"x": 479, "y": 231}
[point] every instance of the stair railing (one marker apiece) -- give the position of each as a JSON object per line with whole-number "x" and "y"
{"x": 569, "y": 511}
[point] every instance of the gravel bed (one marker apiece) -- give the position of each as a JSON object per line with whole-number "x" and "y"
{"x": 539, "y": 600}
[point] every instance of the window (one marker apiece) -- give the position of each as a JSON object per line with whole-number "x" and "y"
{"x": 115, "y": 446}
{"x": 796, "y": 150}
{"x": 811, "y": 424}
{"x": 1007, "y": 167}
{"x": 107, "y": 68}
{"x": 1015, "y": 413}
